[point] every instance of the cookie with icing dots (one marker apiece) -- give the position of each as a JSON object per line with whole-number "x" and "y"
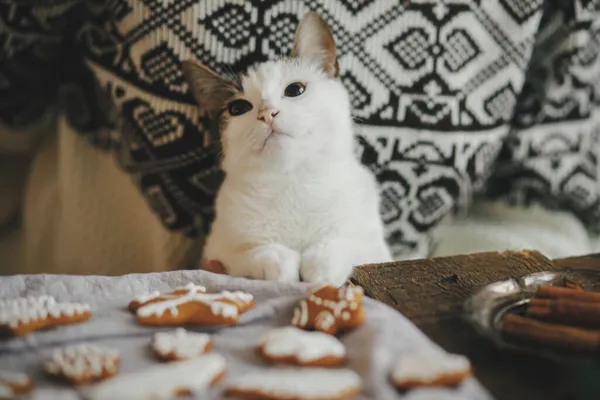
{"x": 290, "y": 345}
{"x": 180, "y": 344}
{"x": 296, "y": 384}
{"x": 163, "y": 381}
{"x": 193, "y": 305}
{"x": 13, "y": 384}
{"x": 430, "y": 370}
{"x": 83, "y": 363}
{"x": 26, "y": 314}
{"x": 330, "y": 310}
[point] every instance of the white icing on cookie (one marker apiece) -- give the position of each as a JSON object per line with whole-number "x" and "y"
{"x": 427, "y": 367}
{"x": 334, "y": 309}
{"x": 301, "y": 383}
{"x": 301, "y": 314}
{"x": 324, "y": 320}
{"x": 15, "y": 312}
{"x": 192, "y": 287}
{"x": 303, "y": 345}
{"x": 162, "y": 381}
{"x": 170, "y": 302}
{"x": 180, "y": 343}
{"x": 83, "y": 360}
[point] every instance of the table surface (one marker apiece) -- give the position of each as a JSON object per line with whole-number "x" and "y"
{"x": 431, "y": 292}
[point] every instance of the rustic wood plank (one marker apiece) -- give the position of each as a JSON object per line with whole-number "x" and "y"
{"x": 436, "y": 287}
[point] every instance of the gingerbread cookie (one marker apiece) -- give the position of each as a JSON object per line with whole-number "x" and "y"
{"x": 26, "y": 314}
{"x": 330, "y": 309}
{"x": 180, "y": 344}
{"x": 163, "y": 381}
{"x": 13, "y": 384}
{"x": 427, "y": 370}
{"x": 191, "y": 304}
{"x": 83, "y": 363}
{"x": 290, "y": 345}
{"x": 156, "y": 296}
{"x": 301, "y": 384}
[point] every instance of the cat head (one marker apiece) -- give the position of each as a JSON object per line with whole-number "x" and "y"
{"x": 280, "y": 113}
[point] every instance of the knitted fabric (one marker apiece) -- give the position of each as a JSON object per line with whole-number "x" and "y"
{"x": 439, "y": 88}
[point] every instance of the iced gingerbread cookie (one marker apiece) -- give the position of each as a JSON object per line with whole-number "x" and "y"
{"x": 83, "y": 363}
{"x": 191, "y": 304}
{"x": 163, "y": 381}
{"x": 13, "y": 384}
{"x": 296, "y": 384}
{"x": 429, "y": 370}
{"x": 180, "y": 344}
{"x": 156, "y": 295}
{"x": 330, "y": 309}
{"x": 26, "y": 314}
{"x": 290, "y": 345}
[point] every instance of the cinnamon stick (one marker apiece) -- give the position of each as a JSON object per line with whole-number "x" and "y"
{"x": 565, "y": 311}
{"x": 569, "y": 284}
{"x": 557, "y": 292}
{"x": 544, "y": 333}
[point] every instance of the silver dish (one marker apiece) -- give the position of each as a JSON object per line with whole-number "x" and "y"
{"x": 485, "y": 309}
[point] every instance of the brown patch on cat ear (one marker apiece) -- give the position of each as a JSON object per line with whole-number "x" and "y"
{"x": 210, "y": 90}
{"x": 314, "y": 40}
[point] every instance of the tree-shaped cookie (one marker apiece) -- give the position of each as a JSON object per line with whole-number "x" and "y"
{"x": 330, "y": 309}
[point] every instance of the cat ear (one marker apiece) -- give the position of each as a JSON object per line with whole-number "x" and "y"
{"x": 210, "y": 90}
{"x": 314, "y": 40}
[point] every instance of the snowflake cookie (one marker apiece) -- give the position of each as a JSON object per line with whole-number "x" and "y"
{"x": 191, "y": 304}
{"x": 297, "y": 384}
{"x": 290, "y": 345}
{"x": 180, "y": 344}
{"x": 13, "y": 384}
{"x": 424, "y": 370}
{"x": 330, "y": 309}
{"x": 163, "y": 381}
{"x": 26, "y": 314}
{"x": 83, "y": 363}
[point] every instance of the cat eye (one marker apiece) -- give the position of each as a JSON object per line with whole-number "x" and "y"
{"x": 239, "y": 107}
{"x": 294, "y": 89}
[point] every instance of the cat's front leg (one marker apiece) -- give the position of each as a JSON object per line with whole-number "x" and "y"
{"x": 270, "y": 262}
{"x": 327, "y": 262}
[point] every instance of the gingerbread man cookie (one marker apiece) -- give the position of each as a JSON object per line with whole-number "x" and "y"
{"x": 163, "y": 381}
{"x": 290, "y": 345}
{"x": 83, "y": 363}
{"x": 13, "y": 384}
{"x": 428, "y": 370}
{"x": 26, "y": 314}
{"x": 330, "y": 309}
{"x": 180, "y": 344}
{"x": 302, "y": 384}
{"x": 191, "y": 304}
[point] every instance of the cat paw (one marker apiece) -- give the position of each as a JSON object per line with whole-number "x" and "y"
{"x": 325, "y": 264}
{"x": 275, "y": 262}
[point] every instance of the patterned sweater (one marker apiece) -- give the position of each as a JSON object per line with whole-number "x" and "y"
{"x": 456, "y": 99}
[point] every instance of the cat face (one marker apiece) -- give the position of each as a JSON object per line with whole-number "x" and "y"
{"x": 280, "y": 113}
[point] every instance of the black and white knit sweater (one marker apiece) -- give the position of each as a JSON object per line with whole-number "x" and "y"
{"x": 456, "y": 98}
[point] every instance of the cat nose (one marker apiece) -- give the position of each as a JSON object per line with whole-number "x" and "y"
{"x": 267, "y": 115}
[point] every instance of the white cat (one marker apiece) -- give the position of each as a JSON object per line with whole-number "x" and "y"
{"x": 296, "y": 203}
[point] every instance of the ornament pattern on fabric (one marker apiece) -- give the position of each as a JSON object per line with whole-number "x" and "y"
{"x": 432, "y": 82}
{"x": 552, "y": 155}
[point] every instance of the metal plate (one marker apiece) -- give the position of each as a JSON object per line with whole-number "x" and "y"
{"x": 485, "y": 309}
